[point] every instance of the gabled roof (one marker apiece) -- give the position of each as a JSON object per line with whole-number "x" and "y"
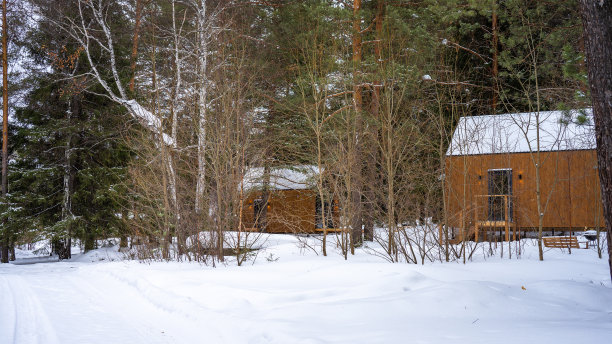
{"x": 517, "y": 132}
{"x": 291, "y": 178}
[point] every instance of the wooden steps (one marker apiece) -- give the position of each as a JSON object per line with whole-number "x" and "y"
{"x": 459, "y": 239}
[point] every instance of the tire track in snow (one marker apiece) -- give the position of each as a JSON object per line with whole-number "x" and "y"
{"x": 174, "y": 304}
{"x": 8, "y": 323}
{"x": 95, "y": 312}
{"x": 98, "y": 297}
{"x": 220, "y": 326}
{"x": 31, "y": 324}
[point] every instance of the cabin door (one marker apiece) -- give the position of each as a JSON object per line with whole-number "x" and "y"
{"x": 258, "y": 208}
{"x": 500, "y": 188}
{"x": 329, "y": 219}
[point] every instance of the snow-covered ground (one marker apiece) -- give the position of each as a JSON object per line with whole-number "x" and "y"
{"x": 294, "y": 296}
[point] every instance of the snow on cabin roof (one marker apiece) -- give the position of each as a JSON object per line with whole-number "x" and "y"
{"x": 517, "y": 132}
{"x": 291, "y": 178}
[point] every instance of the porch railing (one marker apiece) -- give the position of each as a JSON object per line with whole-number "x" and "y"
{"x": 495, "y": 211}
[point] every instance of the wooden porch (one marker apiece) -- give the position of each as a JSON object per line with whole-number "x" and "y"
{"x": 484, "y": 218}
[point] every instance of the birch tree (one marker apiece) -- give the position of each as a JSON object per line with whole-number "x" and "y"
{"x": 203, "y": 42}
{"x": 91, "y": 30}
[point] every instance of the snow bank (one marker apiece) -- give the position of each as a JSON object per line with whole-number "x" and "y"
{"x": 292, "y": 295}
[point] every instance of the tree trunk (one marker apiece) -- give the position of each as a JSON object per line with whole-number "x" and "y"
{"x": 134, "y": 57}
{"x": 65, "y": 253}
{"x": 90, "y": 241}
{"x": 202, "y": 95}
{"x": 262, "y": 221}
{"x": 123, "y": 241}
{"x": 5, "y": 242}
{"x": 494, "y": 70}
{"x": 368, "y": 225}
{"x": 174, "y": 112}
{"x": 368, "y": 208}
{"x": 596, "y": 18}
{"x": 380, "y": 10}
{"x": 356, "y": 222}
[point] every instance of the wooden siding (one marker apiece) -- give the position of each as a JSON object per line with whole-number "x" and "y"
{"x": 289, "y": 211}
{"x": 569, "y": 183}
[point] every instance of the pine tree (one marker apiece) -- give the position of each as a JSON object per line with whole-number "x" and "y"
{"x": 70, "y": 162}
{"x": 597, "y": 17}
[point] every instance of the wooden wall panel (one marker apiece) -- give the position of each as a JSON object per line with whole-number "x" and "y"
{"x": 569, "y": 187}
{"x": 289, "y": 211}
{"x": 292, "y": 211}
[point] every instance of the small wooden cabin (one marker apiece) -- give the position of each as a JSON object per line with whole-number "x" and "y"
{"x": 293, "y": 204}
{"x": 490, "y": 176}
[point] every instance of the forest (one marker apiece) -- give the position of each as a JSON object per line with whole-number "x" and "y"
{"x": 139, "y": 119}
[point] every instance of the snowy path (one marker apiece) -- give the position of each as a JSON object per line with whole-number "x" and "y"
{"x": 87, "y": 307}
{"x": 29, "y": 321}
{"x": 308, "y": 299}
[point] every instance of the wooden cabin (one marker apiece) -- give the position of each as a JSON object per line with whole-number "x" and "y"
{"x": 490, "y": 176}
{"x": 293, "y": 204}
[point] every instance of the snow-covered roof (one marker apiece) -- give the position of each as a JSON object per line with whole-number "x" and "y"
{"x": 291, "y": 178}
{"x": 517, "y": 132}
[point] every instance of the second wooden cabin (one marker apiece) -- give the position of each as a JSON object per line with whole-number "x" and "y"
{"x": 285, "y": 200}
{"x": 491, "y": 178}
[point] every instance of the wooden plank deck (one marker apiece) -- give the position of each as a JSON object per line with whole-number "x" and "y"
{"x": 494, "y": 223}
{"x": 329, "y": 230}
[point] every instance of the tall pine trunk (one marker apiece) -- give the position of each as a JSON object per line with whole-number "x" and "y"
{"x": 5, "y": 241}
{"x": 597, "y": 21}
{"x": 369, "y": 188}
{"x": 494, "y": 68}
{"x": 356, "y": 222}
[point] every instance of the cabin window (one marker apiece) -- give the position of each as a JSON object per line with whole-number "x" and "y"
{"x": 499, "y": 190}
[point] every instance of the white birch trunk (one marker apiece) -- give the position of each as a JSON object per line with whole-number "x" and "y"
{"x": 81, "y": 32}
{"x": 67, "y": 199}
{"x": 175, "y": 101}
{"x": 203, "y": 61}
{"x": 178, "y": 66}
